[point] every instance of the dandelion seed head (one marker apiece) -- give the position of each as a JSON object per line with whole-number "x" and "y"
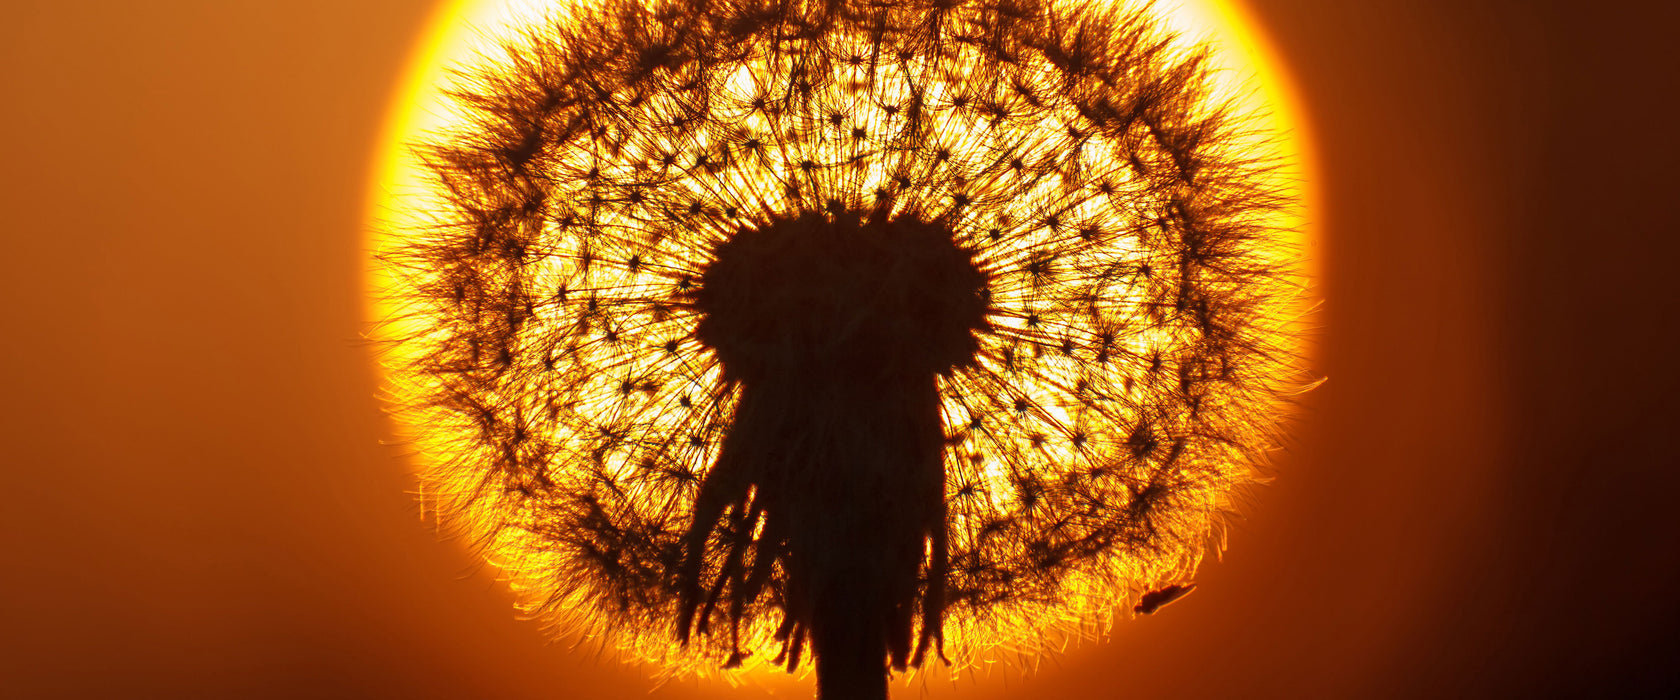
{"x": 1047, "y": 208}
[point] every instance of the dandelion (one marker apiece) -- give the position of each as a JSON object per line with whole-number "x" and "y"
{"x": 858, "y": 331}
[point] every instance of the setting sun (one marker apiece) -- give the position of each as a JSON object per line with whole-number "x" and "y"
{"x": 641, "y": 306}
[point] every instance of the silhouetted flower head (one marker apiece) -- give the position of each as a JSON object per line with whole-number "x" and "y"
{"x": 995, "y": 289}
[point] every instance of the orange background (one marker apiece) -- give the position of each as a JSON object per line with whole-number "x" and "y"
{"x": 196, "y": 502}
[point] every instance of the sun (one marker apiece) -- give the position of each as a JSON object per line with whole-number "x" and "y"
{"x": 893, "y": 332}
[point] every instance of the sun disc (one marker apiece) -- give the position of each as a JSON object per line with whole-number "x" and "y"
{"x": 406, "y": 203}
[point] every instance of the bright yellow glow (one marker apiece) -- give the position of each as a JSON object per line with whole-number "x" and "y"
{"x": 1253, "y": 67}
{"x": 401, "y": 198}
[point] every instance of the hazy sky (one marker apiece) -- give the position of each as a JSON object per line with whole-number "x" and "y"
{"x": 198, "y": 501}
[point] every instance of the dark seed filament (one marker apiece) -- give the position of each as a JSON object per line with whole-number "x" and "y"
{"x": 860, "y": 332}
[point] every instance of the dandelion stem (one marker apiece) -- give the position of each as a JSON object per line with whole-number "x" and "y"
{"x": 851, "y": 647}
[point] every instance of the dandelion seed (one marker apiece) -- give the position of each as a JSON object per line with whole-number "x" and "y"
{"x": 885, "y": 331}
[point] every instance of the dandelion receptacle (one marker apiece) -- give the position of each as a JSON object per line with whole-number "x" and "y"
{"x": 854, "y": 334}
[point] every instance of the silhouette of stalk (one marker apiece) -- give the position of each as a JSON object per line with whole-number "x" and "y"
{"x": 788, "y": 327}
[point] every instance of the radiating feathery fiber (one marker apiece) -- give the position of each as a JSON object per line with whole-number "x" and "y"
{"x": 966, "y": 319}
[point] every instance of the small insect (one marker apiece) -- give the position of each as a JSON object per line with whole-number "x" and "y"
{"x": 1160, "y": 598}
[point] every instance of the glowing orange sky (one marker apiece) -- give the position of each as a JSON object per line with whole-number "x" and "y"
{"x": 1476, "y": 504}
